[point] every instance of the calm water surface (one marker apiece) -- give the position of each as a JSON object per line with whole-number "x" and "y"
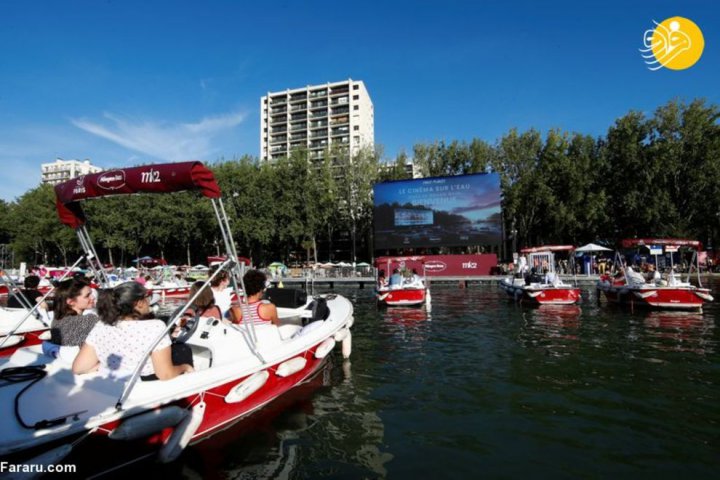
{"x": 481, "y": 387}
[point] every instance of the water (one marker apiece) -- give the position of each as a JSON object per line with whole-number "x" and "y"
{"x": 481, "y": 387}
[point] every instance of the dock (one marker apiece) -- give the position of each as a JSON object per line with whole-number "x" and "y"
{"x": 460, "y": 281}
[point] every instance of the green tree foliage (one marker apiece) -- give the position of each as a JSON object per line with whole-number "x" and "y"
{"x": 655, "y": 175}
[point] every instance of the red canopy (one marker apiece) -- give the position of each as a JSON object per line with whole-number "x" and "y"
{"x": 382, "y": 261}
{"x": 548, "y": 248}
{"x": 162, "y": 178}
{"x": 646, "y": 242}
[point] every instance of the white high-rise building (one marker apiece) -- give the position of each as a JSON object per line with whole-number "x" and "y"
{"x": 316, "y": 117}
{"x": 62, "y": 170}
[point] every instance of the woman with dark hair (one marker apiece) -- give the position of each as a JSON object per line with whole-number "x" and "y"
{"x": 125, "y": 332}
{"x": 256, "y": 309}
{"x": 70, "y": 326}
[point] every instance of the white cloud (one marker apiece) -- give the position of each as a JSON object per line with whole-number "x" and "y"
{"x": 165, "y": 141}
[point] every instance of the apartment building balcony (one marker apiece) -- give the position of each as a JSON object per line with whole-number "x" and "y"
{"x": 298, "y": 116}
{"x": 318, "y": 93}
{"x": 298, "y": 107}
{"x": 275, "y": 111}
{"x": 298, "y": 126}
{"x": 278, "y": 119}
{"x": 340, "y": 120}
{"x": 339, "y": 131}
{"x": 278, "y": 100}
{"x": 340, "y": 101}
{"x": 318, "y": 134}
{"x": 298, "y": 136}
{"x": 319, "y": 124}
{"x": 281, "y": 129}
{"x": 278, "y": 139}
{"x": 344, "y": 89}
{"x": 318, "y": 104}
{"x": 298, "y": 97}
{"x": 339, "y": 110}
{"x": 318, "y": 143}
{"x": 278, "y": 148}
{"x": 319, "y": 114}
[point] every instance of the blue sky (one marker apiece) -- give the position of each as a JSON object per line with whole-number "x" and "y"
{"x": 129, "y": 82}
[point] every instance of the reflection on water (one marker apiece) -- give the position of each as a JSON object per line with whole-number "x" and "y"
{"x": 552, "y": 327}
{"x": 680, "y": 331}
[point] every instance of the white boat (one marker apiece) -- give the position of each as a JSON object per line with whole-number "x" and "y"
{"x": 238, "y": 368}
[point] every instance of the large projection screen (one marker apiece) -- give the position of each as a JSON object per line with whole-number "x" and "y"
{"x": 441, "y": 211}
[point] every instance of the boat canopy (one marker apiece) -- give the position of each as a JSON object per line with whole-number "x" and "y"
{"x": 380, "y": 261}
{"x": 646, "y": 242}
{"x": 548, "y": 248}
{"x": 159, "y": 178}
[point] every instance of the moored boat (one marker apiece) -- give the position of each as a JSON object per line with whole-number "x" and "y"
{"x": 668, "y": 291}
{"x": 538, "y": 282}
{"x": 402, "y": 291}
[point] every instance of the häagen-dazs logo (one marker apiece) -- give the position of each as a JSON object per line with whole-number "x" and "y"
{"x": 435, "y": 266}
{"x": 111, "y": 180}
{"x": 676, "y": 43}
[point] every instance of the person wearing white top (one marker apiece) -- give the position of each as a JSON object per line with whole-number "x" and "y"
{"x": 222, "y": 292}
{"x": 117, "y": 343}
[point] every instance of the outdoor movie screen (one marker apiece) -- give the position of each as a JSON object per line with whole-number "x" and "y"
{"x": 439, "y": 211}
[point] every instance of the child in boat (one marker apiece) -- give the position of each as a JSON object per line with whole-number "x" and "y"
{"x": 256, "y": 310}
{"x": 203, "y": 306}
{"x": 117, "y": 343}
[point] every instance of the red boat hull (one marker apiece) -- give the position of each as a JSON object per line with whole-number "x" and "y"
{"x": 673, "y": 298}
{"x": 407, "y": 297}
{"x": 544, "y": 295}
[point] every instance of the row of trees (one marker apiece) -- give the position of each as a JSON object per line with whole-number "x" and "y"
{"x": 653, "y": 175}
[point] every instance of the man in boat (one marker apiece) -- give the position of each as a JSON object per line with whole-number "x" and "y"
{"x": 30, "y": 292}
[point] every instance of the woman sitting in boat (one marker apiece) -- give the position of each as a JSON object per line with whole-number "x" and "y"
{"x": 117, "y": 343}
{"x": 73, "y": 317}
{"x": 256, "y": 309}
{"x": 203, "y": 306}
{"x": 223, "y": 296}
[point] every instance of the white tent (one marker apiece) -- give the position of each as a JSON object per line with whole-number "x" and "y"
{"x": 592, "y": 247}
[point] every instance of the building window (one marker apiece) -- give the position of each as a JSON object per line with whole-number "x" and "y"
{"x": 356, "y": 87}
{"x": 356, "y": 139}
{"x": 356, "y": 127}
{"x": 356, "y": 97}
{"x": 356, "y": 107}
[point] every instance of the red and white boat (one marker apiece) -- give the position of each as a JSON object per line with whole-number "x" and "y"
{"x": 538, "y": 282}
{"x": 407, "y": 292}
{"x": 667, "y": 291}
{"x": 50, "y": 412}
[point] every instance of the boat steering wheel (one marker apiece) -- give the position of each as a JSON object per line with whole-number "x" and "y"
{"x": 188, "y": 329}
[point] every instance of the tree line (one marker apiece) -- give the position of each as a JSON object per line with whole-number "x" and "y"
{"x": 650, "y": 175}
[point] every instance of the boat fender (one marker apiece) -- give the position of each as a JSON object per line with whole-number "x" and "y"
{"x": 347, "y": 345}
{"x": 642, "y": 295}
{"x": 291, "y": 366}
{"x": 351, "y": 322}
{"x": 324, "y": 348}
{"x": 247, "y": 387}
{"x": 340, "y": 335}
{"x": 41, "y": 463}
{"x": 427, "y": 298}
{"x": 182, "y": 435}
{"x": 148, "y": 423}
{"x": 705, "y": 296}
